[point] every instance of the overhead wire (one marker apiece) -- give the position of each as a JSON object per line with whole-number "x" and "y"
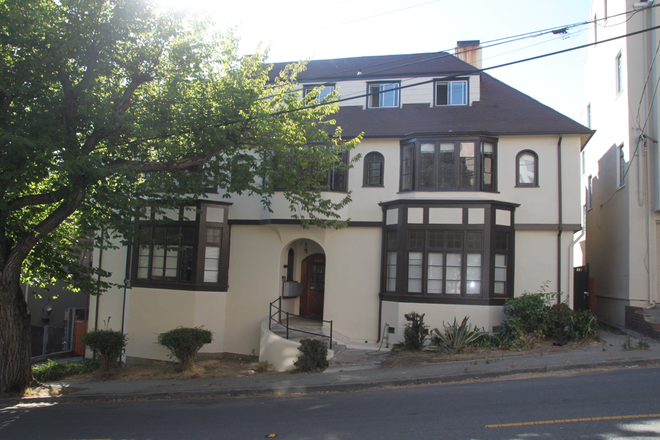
{"x": 364, "y": 95}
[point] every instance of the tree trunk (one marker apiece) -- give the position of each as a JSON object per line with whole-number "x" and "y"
{"x": 15, "y": 341}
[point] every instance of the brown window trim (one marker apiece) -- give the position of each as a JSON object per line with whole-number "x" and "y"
{"x": 489, "y": 229}
{"x": 198, "y": 251}
{"x": 365, "y": 177}
{"x": 535, "y": 183}
{"x": 416, "y": 164}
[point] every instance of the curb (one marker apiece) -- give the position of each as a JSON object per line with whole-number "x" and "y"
{"x": 343, "y": 387}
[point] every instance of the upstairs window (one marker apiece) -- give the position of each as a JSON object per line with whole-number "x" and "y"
{"x": 451, "y": 92}
{"x": 337, "y": 178}
{"x": 449, "y": 165}
{"x": 373, "y": 169}
{"x": 325, "y": 91}
{"x": 527, "y": 169}
{"x": 382, "y": 95}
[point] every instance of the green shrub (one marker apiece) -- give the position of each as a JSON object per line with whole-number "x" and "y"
{"x": 53, "y": 370}
{"x": 486, "y": 340}
{"x": 414, "y": 332}
{"x": 313, "y": 355}
{"x": 108, "y": 346}
{"x": 530, "y": 309}
{"x": 559, "y": 322}
{"x": 184, "y": 343}
{"x": 512, "y": 335}
{"x": 584, "y": 325}
{"x": 455, "y": 338}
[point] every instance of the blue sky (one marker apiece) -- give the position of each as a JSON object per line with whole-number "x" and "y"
{"x": 297, "y": 30}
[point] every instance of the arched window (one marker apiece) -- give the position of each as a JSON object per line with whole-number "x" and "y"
{"x": 373, "y": 169}
{"x": 527, "y": 168}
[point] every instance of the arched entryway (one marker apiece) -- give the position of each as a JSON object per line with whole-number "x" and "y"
{"x": 313, "y": 286}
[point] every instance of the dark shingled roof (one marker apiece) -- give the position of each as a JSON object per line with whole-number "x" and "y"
{"x": 502, "y": 110}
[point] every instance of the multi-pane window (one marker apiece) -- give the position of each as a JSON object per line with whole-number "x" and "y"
{"x": 446, "y": 165}
{"x": 184, "y": 249}
{"x": 323, "y": 93}
{"x": 501, "y": 263}
{"x": 451, "y": 92}
{"x": 168, "y": 255}
{"x": 448, "y": 252}
{"x": 445, "y": 262}
{"x": 337, "y": 177}
{"x": 390, "y": 262}
{"x": 383, "y": 95}
{"x": 373, "y": 169}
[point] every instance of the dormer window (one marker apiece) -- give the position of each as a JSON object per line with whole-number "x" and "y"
{"x": 325, "y": 91}
{"x": 451, "y": 92}
{"x": 383, "y": 95}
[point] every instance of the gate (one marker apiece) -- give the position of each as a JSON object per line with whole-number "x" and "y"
{"x": 581, "y": 288}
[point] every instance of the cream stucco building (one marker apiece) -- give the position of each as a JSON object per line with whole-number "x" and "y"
{"x": 466, "y": 194}
{"x": 621, "y": 165}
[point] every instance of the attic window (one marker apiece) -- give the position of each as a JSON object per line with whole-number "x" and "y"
{"x": 326, "y": 89}
{"x": 383, "y": 95}
{"x": 451, "y": 92}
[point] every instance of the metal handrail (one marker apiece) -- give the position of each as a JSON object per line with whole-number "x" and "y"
{"x": 278, "y": 313}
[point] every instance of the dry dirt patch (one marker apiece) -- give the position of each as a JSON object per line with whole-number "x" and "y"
{"x": 402, "y": 358}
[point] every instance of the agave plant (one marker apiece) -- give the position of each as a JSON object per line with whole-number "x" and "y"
{"x": 455, "y": 337}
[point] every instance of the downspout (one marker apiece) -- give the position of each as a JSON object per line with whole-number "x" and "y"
{"x": 98, "y": 286}
{"x": 560, "y": 226}
{"x": 127, "y": 281}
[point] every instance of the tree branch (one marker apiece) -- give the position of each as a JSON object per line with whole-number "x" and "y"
{"x": 179, "y": 165}
{"x": 35, "y": 200}
{"x": 20, "y": 251}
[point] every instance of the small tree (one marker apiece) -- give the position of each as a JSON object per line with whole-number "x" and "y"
{"x": 108, "y": 105}
{"x": 184, "y": 343}
{"x": 415, "y": 331}
{"x": 108, "y": 346}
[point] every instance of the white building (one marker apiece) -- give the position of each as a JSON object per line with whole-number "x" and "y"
{"x": 620, "y": 168}
{"x": 466, "y": 194}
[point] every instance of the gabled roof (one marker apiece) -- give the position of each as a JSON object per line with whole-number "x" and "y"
{"x": 501, "y": 110}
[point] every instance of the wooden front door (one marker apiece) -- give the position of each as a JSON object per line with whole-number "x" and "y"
{"x": 313, "y": 286}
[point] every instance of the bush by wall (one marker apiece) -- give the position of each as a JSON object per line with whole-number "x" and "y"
{"x": 414, "y": 332}
{"x": 313, "y": 355}
{"x": 184, "y": 343}
{"x": 108, "y": 346}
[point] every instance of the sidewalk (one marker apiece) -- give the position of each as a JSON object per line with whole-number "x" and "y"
{"x": 363, "y": 372}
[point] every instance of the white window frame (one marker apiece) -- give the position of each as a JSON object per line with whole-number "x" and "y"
{"x": 618, "y": 73}
{"x": 323, "y": 93}
{"x": 451, "y": 95}
{"x": 384, "y": 89}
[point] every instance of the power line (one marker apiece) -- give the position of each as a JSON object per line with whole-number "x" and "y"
{"x": 446, "y": 77}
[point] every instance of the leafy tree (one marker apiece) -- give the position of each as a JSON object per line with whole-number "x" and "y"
{"x": 109, "y": 105}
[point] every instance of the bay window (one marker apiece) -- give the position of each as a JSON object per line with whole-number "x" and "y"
{"x": 449, "y": 165}
{"x": 447, "y": 251}
{"x": 185, "y": 248}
